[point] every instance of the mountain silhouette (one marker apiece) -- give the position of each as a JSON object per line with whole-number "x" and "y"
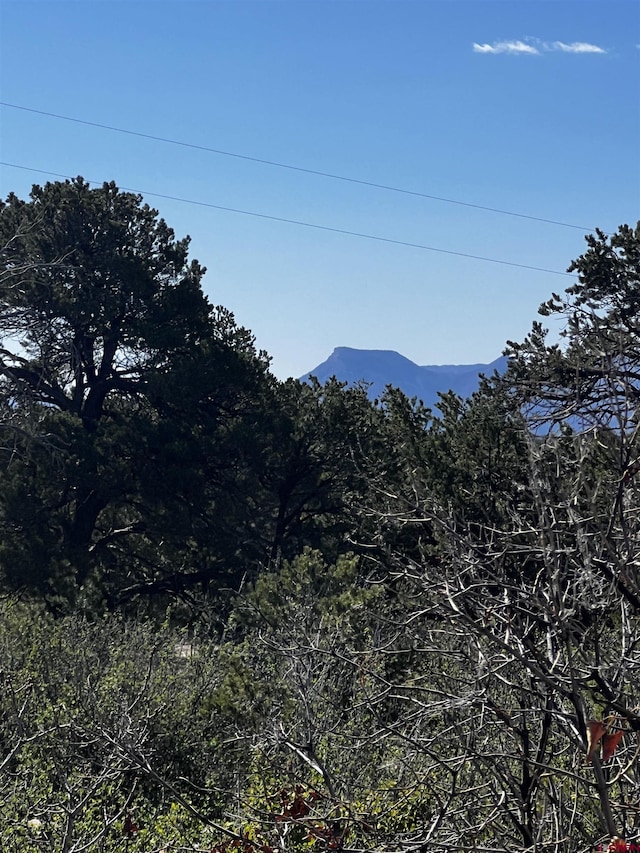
{"x": 379, "y": 368}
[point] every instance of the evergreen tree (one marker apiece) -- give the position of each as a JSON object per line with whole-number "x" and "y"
{"x": 148, "y": 395}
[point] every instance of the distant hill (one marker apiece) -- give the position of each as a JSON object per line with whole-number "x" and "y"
{"x": 386, "y": 367}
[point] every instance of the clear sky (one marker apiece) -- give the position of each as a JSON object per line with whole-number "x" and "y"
{"x": 527, "y": 107}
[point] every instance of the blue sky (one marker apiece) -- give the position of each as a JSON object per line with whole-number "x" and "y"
{"x": 527, "y": 107}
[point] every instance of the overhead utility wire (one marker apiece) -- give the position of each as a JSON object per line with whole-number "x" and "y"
{"x": 304, "y": 224}
{"x": 296, "y": 168}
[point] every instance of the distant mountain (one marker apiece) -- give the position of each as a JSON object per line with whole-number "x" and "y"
{"x": 386, "y": 367}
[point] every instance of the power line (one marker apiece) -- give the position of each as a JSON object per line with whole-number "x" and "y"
{"x": 292, "y": 168}
{"x": 301, "y": 223}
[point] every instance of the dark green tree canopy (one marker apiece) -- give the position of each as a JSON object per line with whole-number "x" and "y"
{"x": 149, "y": 395}
{"x": 96, "y": 294}
{"x": 592, "y": 377}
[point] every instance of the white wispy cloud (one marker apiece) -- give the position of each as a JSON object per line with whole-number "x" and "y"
{"x": 534, "y": 47}
{"x": 505, "y": 47}
{"x": 574, "y": 47}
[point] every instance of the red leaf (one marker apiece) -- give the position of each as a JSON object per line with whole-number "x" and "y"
{"x": 129, "y": 826}
{"x": 299, "y": 808}
{"x": 595, "y": 731}
{"x": 610, "y": 742}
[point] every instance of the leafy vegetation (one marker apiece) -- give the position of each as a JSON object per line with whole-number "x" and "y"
{"x": 238, "y": 614}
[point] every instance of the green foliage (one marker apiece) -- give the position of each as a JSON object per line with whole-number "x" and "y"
{"x": 99, "y": 720}
{"x": 592, "y": 378}
{"x": 326, "y": 441}
{"x": 148, "y": 397}
{"x": 308, "y": 585}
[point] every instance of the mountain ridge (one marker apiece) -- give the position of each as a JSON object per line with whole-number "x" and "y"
{"x": 379, "y": 368}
